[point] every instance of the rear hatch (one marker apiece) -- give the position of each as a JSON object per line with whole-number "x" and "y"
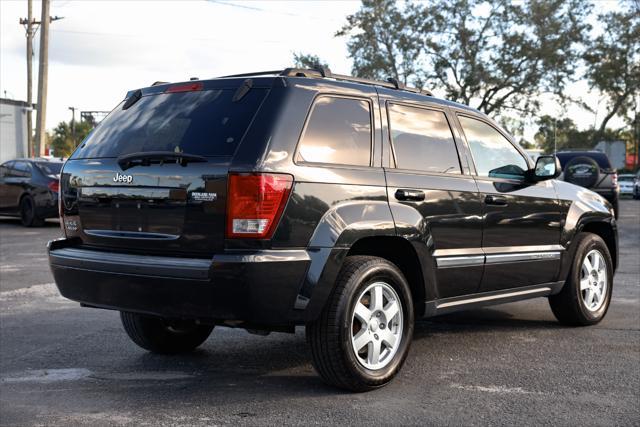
{"x": 152, "y": 177}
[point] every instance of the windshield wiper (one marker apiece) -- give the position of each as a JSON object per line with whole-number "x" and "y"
{"x": 147, "y": 157}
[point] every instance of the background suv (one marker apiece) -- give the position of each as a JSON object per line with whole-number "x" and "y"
{"x": 301, "y": 197}
{"x": 592, "y": 170}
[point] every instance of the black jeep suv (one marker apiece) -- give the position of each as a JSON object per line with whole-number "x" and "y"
{"x": 270, "y": 200}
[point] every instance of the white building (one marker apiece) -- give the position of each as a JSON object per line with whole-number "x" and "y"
{"x": 13, "y": 129}
{"x": 616, "y": 151}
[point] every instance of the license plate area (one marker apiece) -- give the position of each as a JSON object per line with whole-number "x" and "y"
{"x": 159, "y": 211}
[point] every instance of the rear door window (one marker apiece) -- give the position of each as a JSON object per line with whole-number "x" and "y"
{"x": 22, "y": 169}
{"x": 338, "y": 131}
{"x": 206, "y": 123}
{"x": 422, "y": 140}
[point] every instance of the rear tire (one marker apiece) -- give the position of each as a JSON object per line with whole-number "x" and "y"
{"x": 367, "y": 288}
{"x": 586, "y": 295}
{"x": 163, "y": 336}
{"x": 28, "y": 213}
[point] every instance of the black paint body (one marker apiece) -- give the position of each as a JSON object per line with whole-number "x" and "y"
{"x": 332, "y": 212}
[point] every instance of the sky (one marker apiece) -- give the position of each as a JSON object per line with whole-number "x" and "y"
{"x": 101, "y": 49}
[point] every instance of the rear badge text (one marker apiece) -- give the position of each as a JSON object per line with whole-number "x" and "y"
{"x": 123, "y": 178}
{"x": 203, "y": 197}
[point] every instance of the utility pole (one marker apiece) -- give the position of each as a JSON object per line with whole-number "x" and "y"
{"x": 73, "y": 125}
{"x": 43, "y": 72}
{"x": 31, "y": 27}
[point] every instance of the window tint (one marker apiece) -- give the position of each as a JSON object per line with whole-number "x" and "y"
{"x": 49, "y": 168}
{"x": 4, "y": 169}
{"x": 22, "y": 169}
{"x": 493, "y": 154}
{"x": 422, "y": 140}
{"x": 206, "y": 123}
{"x": 338, "y": 131}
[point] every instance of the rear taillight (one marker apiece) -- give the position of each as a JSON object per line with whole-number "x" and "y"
{"x": 54, "y": 186}
{"x": 614, "y": 178}
{"x": 255, "y": 203}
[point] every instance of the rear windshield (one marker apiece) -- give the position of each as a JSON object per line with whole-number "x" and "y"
{"x": 600, "y": 158}
{"x": 206, "y": 123}
{"x": 50, "y": 168}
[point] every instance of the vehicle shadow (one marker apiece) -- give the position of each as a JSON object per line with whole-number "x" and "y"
{"x": 233, "y": 365}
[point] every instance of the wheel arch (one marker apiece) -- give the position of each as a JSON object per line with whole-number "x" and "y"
{"x": 402, "y": 254}
{"x": 606, "y": 232}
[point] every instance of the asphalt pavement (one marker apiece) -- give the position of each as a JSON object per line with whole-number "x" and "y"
{"x": 512, "y": 364}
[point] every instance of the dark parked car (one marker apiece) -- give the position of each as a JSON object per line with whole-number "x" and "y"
{"x": 29, "y": 189}
{"x": 270, "y": 200}
{"x": 592, "y": 170}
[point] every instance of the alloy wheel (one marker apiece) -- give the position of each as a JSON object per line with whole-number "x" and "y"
{"x": 593, "y": 280}
{"x": 376, "y": 325}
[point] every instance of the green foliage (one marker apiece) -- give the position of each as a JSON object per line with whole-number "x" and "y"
{"x": 62, "y": 140}
{"x": 494, "y": 56}
{"x": 306, "y": 60}
{"x": 613, "y": 63}
{"x": 567, "y": 135}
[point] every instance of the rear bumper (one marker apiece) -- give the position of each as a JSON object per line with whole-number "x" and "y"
{"x": 247, "y": 288}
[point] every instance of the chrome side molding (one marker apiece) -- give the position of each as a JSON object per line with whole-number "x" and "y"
{"x": 460, "y": 261}
{"x": 467, "y": 257}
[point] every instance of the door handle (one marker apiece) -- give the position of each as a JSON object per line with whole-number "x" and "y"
{"x": 415, "y": 195}
{"x": 491, "y": 199}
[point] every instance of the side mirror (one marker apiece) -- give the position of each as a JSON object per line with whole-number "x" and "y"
{"x": 547, "y": 167}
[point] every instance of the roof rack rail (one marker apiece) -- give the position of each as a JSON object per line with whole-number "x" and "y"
{"x": 324, "y": 72}
{"x": 257, "y": 73}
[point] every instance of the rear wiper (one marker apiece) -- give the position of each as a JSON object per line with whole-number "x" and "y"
{"x": 147, "y": 157}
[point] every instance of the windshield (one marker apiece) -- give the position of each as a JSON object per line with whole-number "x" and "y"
{"x": 50, "y": 168}
{"x": 627, "y": 178}
{"x": 206, "y": 123}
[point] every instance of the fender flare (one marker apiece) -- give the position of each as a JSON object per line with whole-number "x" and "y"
{"x": 338, "y": 230}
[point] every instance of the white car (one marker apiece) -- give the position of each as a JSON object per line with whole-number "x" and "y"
{"x": 626, "y": 183}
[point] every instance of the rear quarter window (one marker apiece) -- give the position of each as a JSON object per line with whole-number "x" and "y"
{"x": 338, "y": 131}
{"x": 206, "y": 123}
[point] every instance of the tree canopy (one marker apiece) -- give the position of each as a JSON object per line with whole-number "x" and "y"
{"x": 63, "y": 141}
{"x": 490, "y": 55}
{"x": 306, "y": 60}
{"x": 613, "y": 63}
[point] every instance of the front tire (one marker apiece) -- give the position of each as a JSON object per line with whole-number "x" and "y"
{"x": 586, "y": 295}
{"x": 363, "y": 335}
{"x": 164, "y": 336}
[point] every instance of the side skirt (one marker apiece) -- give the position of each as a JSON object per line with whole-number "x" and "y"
{"x": 466, "y": 302}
